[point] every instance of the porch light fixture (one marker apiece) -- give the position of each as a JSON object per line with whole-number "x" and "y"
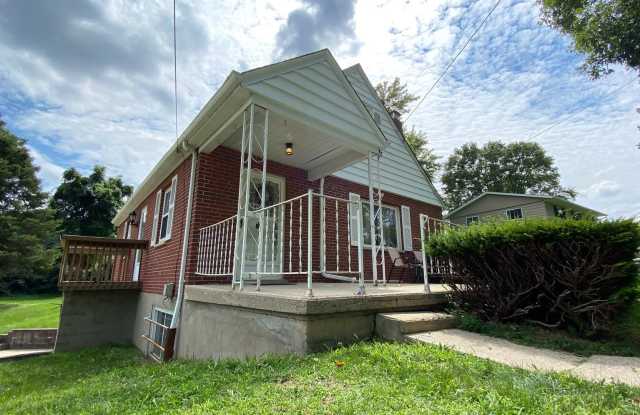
{"x": 133, "y": 218}
{"x": 289, "y": 149}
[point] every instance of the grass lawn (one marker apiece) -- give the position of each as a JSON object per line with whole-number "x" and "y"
{"x": 375, "y": 378}
{"x": 624, "y": 342}
{"x": 26, "y": 312}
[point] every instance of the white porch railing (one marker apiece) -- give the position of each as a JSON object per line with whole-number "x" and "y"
{"x": 434, "y": 266}
{"x": 216, "y": 247}
{"x": 280, "y": 241}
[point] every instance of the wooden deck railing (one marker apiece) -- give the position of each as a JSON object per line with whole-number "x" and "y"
{"x": 96, "y": 262}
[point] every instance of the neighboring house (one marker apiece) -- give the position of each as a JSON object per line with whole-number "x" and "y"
{"x": 506, "y": 206}
{"x": 289, "y": 149}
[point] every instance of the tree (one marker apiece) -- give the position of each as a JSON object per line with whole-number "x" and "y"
{"x": 85, "y": 205}
{"x": 428, "y": 160}
{"x": 607, "y": 31}
{"x": 27, "y": 228}
{"x": 395, "y": 96}
{"x": 520, "y": 167}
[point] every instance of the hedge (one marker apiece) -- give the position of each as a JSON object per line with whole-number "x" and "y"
{"x": 575, "y": 274}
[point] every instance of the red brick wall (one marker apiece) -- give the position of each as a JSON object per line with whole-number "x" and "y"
{"x": 160, "y": 264}
{"x": 216, "y": 198}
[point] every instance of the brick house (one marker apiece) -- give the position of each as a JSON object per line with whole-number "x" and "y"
{"x": 297, "y": 151}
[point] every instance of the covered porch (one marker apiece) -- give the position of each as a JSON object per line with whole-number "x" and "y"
{"x": 315, "y": 234}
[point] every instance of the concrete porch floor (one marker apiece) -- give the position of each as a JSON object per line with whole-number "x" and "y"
{"x": 327, "y": 297}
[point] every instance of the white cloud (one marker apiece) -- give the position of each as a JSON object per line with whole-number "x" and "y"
{"x": 94, "y": 83}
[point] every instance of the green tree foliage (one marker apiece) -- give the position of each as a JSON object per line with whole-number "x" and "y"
{"x": 418, "y": 142}
{"x": 28, "y": 246}
{"x": 85, "y": 205}
{"x": 607, "y": 31}
{"x": 519, "y": 167}
{"x": 395, "y": 96}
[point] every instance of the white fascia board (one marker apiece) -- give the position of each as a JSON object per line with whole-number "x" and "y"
{"x": 174, "y": 156}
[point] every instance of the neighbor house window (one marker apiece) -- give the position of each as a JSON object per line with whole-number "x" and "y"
{"x": 470, "y": 220}
{"x": 514, "y": 213}
{"x": 163, "y": 213}
{"x": 390, "y": 225}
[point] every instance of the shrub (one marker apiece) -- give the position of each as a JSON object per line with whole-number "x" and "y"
{"x": 576, "y": 274}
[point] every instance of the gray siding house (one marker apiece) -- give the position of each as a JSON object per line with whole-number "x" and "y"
{"x": 498, "y": 206}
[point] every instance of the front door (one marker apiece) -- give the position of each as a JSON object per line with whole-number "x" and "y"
{"x": 271, "y": 222}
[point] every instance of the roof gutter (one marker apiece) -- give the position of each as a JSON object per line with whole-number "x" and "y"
{"x": 174, "y": 156}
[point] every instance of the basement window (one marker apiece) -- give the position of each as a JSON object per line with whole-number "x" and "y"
{"x": 158, "y": 330}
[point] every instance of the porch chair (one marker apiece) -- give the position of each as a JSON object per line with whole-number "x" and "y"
{"x": 402, "y": 266}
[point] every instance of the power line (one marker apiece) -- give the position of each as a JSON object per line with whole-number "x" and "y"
{"x": 555, "y": 124}
{"x": 175, "y": 67}
{"x": 454, "y": 59}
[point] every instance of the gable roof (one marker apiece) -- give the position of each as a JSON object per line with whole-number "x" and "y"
{"x": 236, "y": 88}
{"x": 401, "y": 172}
{"x": 555, "y": 199}
{"x": 357, "y": 67}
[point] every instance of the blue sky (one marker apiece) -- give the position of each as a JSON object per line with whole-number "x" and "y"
{"x": 92, "y": 82}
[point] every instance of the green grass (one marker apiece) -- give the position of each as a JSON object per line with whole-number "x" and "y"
{"x": 28, "y": 312}
{"x": 376, "y": 377}
{"x": 625, "y": 340}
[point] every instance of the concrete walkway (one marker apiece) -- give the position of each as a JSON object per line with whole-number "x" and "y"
{"x": 610, "y": 369}
{"x": 14, "y": 354}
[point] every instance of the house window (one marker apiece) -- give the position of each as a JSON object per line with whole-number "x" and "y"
{"x": 163, "y": 213}
{"x": 166, "y": 211}
{"x": 159, "y": 331}
{"x": 471, "y": 220}
{"x": 390, "y": 225}
{"x": 514, "y": 213}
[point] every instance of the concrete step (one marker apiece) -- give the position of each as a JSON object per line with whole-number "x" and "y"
{"x": 395, "y": 326}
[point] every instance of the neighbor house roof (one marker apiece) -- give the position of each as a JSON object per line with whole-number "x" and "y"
{"x": 555, "y": 199}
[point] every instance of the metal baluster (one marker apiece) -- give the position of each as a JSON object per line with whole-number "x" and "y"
{"x": 349, "y": 233}
{"x": 337, "y": 239}
{"x": 300, "y": 237}
{"x": 273, "y": 238}
{"x": 225, "y": 246}
{"x": 290, "y": 233}
{"x": 281, "y": 234}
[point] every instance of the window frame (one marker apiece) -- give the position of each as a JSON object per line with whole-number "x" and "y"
{"x": 475, "y": 219}
{"x": 171, "y": 191}
{"x": 507, "y": 211}
{"x": 157, "y": 334}
{"x": 165, "y": 211}
{"x": 396, "y": 209}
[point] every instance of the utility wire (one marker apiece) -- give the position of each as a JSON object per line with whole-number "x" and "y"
{"x": 175, "y": 68}
{"x": 454, "y": 59}
{"x": 555, "y": 124}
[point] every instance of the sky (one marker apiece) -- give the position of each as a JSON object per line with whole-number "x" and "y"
{"x": 91, "y": 82}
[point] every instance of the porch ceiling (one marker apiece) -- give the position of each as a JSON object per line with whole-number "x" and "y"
{"x": 315, "y": 151}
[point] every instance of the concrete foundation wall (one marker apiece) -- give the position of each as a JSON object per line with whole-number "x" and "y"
{"x": 93, "y": 318}
{"x": 212, "y": 331}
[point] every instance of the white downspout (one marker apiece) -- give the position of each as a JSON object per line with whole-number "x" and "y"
{"x": 185, "y": 246}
